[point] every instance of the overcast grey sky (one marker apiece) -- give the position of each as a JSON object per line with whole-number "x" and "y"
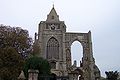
{"x": 102, "y": 17}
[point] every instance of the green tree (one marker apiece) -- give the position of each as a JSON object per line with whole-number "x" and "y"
{"x": 17, "y": 38}
{"x": 37, "y": 63}
{"x": 11, "y": 63}
{"x": 15, "y": 45}
{"x": 110, "y": 75}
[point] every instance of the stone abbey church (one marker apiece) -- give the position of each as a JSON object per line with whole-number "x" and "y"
{"x": 55, "y": 46}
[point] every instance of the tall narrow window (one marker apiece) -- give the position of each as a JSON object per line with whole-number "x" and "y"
{"x": 52, "y": 17}
{"x": 52, "y": 49}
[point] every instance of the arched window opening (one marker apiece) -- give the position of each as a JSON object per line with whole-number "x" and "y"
{"x": 76, "y": 52}
{"x": 52, "y": 49}
{"x": 52, "y": 17}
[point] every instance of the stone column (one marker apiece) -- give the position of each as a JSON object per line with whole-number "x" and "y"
{"x": 33, "y": 74}
{"x": 57, "y": 65}
{"x": 91, "y": 63}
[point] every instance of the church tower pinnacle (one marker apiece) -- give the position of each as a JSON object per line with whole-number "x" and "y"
{"x": 52, "y": 16}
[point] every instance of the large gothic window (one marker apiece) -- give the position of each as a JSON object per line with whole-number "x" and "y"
{"x": 52, "y": 49}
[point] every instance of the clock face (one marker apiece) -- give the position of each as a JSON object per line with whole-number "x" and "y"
{"x": 52, "y": 27}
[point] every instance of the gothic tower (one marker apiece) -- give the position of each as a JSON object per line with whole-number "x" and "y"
{"x": 55, "y": 46}
{"x": 51, "y": 40}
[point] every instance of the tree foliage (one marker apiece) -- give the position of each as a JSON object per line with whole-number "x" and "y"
{"x": 11, "y": 63}
{"x": 112, "y": 75}
{"x": 37, "y": 63}
{"x": 15, "y": 44}
{"x": 17, "y": 38}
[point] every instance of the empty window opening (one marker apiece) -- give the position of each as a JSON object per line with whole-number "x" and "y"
{"x": 76, "y": 52}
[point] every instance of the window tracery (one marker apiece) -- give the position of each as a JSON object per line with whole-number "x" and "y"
{"x": 52, "y": 49}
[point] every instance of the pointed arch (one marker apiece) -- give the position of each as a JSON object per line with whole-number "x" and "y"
{"x": 76, "y": 52}
{"x": 52, "y": 48}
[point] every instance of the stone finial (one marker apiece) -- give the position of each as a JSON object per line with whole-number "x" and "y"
{"x": 33, "y": 74}
{"x": 21, "y": 76}
{"x": 75, "y": 63}
{"x": 35, "y": 36}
